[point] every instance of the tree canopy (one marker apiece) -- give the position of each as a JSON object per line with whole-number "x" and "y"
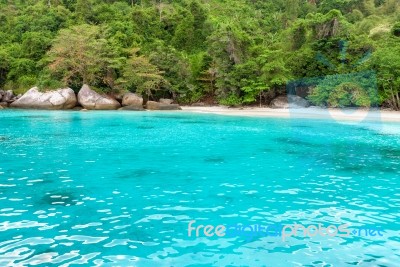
{"x": 231, "y": 52}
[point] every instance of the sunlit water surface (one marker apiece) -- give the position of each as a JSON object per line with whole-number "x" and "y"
{"x": 119, "y": 188}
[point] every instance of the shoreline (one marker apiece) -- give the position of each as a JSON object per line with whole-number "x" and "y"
{"x": 301, "y": 113}
{"x": 346, "y": 114}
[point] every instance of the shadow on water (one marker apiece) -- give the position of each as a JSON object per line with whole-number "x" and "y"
{"x": 169, "y": 117}
{"x": 34, "y": 117}
{"x": 194, "y": 122}
{"x": 214, "y": 160}
{"x": 352, "y": 168}
{"x": 44, "y": 181}
{"x": 292, "y": 152}
{"x": 389, "y": 152}
{"x": 267, "y": 150}
{"x": 140, "y": 173}
{"x": 295, "y": 142}
{"x": 145, "y": 127}
{"x": 60, "y": 198}
{"x": 366, "y": 167}
{"x": 4, "y": 138}
{"x": 364, "y": 129}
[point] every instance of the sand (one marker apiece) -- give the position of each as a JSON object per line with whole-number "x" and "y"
{"x": 308, "y": 113}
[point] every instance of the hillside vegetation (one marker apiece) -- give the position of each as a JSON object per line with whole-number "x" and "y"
{"x": 340, "y": 52}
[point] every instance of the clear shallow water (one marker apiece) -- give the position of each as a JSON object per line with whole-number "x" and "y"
{"x": 118, "y": 189}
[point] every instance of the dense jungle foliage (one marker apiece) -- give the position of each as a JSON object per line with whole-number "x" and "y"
{"x": 231, "y": 52}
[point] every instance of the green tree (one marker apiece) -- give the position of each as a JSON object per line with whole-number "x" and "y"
{"x": 80, "y": 55}
{"x": 4, "y": 66}
{"x": 83, "y": 10}
{"x": 386, "y": 61}
{"x": 175, "y": 67}
{"x": 228, "y": 46}
{"x": 262, "y": 73}
{"x": 345, "y": 90}
{"x": 142, "y": 77}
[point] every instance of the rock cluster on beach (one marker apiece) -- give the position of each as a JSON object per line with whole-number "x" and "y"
{"x": 57, "y": 99}
{"x": 7, "y": 97}
{"x": 92, "y": 100}
{"x": 89, "y": 99}
{"x": 131, "y": 101}
{"x": 152, "y": 105}
{"x": 86, "y": 99}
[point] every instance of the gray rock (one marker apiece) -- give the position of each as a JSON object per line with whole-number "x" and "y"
{"x": 56, "y": 99}
{"x": 166, "y": 101}
{"x": 89, "y": 99}
{"x": 132, "y": 108}
{"x": 289, "y": 101}
{"x": 8, "y": 96}
{"x": 1, "y": 107}
{"x": 119, "y": 97}
{"x": 152, "y": 105}
{"x": 132, "y": 99}
{"x": 4, "y": 104}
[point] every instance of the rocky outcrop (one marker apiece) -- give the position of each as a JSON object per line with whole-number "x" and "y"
{"x": 131, "y": 99}
{"x": 289, "y": 101}
{"x": 7, "y": 96}
{"x": 119, "y": 97}
{"x": 89, "y": 99}
{"x": 152, "y": 105}
{"x": 57, "y": 99}
{"x": 132, "y": 108}
{"x": 166, "y": 101}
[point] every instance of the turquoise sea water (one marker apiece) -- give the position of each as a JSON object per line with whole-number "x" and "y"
{"x": 119, "y": 189}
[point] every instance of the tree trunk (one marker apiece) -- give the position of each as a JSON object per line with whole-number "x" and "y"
{"x": 398, "y": 101}
{"x": 395, "y": 99}
{"x": 160, "y": 10}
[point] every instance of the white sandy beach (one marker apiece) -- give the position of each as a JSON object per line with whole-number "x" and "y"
{"x": 311, "y": 113}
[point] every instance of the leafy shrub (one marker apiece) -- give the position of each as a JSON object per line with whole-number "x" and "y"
{"x": 27, "y": 81}
{"x": 232, "y": 100}
{"x": 354, "y": 16}
{"x": 396, "y": 29}
{"x": 190, "y": 97}
{"x": 348, "y": 94}
{"x": 353, "y": 89}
